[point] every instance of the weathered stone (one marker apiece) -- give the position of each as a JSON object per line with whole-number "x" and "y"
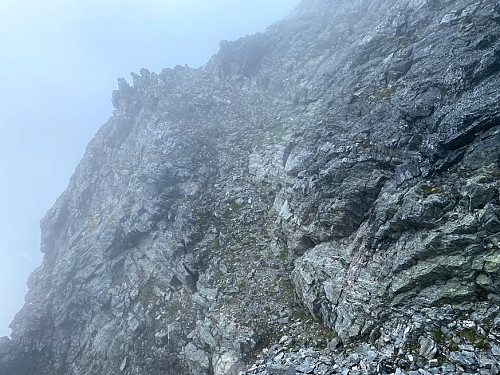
{"x": 465, "y": 359}
{"x": 486, "y": 362}
{"x": 277, "y": 369}
{"x": 467, "y": 348}
{"x": 433, "y": 363}
{"x": 428, "y": 348}
{"x": 124, "y": 363}
{"x": 161, "y": 337}
{"x": 333, "y": 180}
{"x": 305, "y": 368}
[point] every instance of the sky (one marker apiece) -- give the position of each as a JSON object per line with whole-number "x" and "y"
{"x": 59, "y": 63}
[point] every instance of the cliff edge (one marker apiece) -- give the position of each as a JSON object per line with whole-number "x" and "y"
{"x": 319, "y": 198}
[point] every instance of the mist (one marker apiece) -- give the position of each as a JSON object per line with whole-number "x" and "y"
{"x": 60, "y": 61}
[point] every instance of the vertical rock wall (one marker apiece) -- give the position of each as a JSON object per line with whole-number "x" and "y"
{"x": 341, "y": 166}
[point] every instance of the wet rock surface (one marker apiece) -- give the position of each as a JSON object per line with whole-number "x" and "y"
{"x": 320, "y": 198}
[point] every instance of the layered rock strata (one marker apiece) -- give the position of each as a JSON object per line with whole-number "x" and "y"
{"x": 333, "y": 180}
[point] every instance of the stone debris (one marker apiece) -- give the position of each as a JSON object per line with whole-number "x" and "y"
{"x": 364, "y": 359}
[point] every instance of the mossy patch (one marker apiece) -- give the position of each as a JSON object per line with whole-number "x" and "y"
{"x": 430, "y": 190}
{"x": 473, "y": 337}
{"x": 283, "y": 255}
{"x": 438, "y": 336}
{"x": 301, "y": 314}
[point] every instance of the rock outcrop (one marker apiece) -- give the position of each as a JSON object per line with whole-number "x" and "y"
{"x": 320, "y": 198}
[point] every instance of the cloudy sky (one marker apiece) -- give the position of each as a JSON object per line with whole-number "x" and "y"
{"x": 59, "y": 60}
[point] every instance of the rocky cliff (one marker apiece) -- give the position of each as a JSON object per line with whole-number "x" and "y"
{"x": 320, "y": 198}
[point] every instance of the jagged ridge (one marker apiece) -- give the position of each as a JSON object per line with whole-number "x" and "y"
{"x": 346, "y": 161}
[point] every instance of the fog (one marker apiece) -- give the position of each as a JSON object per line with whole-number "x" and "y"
{"x": 59, "y": 64}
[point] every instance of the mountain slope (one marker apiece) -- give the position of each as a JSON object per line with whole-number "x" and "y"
{"x": 343, "y": 165}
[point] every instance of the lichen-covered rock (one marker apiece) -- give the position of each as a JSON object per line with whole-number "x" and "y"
{"x": 332, "y": 183}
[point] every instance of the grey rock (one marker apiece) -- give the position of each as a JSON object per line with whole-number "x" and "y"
{"x": 275, "y": 369}
{"x": 495, "y": 350}
{"x": 428, "y": 348}
{"x": 487, "y": 362}
{"x": 305, "y": 368}
{"x": 161, "y": 337}
{"x": 433, "y": 363}
{"x": 465, "y": 359}
{"x": 448, "y": 368}
{"x": 124, "y": 363}
{"x": 341, "y": 166}
{"x": 468, "y": 348}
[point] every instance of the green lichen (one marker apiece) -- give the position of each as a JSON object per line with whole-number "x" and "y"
{"x": 385, "y": 93}
{"x": 492, "y": 263}
{"x": 484, "y": 22}
{"x": 430, "y": 190}
{"x": 283, "y": 255}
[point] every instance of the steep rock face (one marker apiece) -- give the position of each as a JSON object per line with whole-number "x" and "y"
{"x": 346, "y": 161}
